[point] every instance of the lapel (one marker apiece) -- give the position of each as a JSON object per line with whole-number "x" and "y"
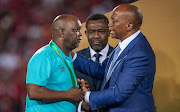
{"x": 129, "y": 47}
{"x": 109, "y": 55}
{"x": 110, "y": 50}
{"x": 87, "y": 53}
{"x": 109, "y": 60}
{"x": 125, "y": 52}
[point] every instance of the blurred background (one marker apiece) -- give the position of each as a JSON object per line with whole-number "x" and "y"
{"x": 25, "y": 26}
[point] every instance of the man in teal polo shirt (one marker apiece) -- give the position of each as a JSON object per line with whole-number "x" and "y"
{"x": 51, "y": 82}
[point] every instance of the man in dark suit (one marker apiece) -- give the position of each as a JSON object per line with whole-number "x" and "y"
{"x": 97, "y": 32}
{"x": 128, "y": 72}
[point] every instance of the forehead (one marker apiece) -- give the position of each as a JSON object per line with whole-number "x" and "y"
{"x": 97, "y": 23}
{"x": 73, "y": 23}
{"x": 119, "y": 16}
{"x": 115, "y": 14}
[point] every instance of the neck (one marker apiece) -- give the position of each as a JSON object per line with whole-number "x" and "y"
{"x": 63, "y": 49}
{"x": 128, "y": 34}
{"x": 97, "y": 52}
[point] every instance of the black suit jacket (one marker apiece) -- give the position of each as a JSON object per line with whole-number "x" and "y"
{"x": 95, "y": 84}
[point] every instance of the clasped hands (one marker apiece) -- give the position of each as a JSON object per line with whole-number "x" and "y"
{"x": 84, "y": 86}
{"x": 76, "y": 94}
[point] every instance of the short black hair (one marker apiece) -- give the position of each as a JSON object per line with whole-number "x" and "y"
{"x": 97, "y": 16}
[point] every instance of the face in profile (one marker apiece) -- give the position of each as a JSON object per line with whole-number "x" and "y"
{"x": 72, "y": 34}
{"x": 97, "y": 33}
{"x": 117, "y": 24}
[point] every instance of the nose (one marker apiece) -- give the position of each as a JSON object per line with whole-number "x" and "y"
{"x": 80, "y": 34}
{"x": 96, "y": 34}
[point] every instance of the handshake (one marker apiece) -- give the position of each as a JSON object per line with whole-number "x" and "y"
{"x": 76, "y": 94}
{"x": 83, "y": 85}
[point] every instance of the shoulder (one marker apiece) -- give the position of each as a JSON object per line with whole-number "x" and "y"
{"x": 83, "y": 51}
{"x": 142, "y": 49}
{"x": 144, "y": 45}
{"x": 44, "y": 52}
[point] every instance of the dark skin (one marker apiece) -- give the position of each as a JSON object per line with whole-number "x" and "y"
{"x": 65, "y": 30}
{"x": 84, "y": 85}
{"x": 36, "y": 92}
{"x": 69, "y": 35}
{"x": 86, "y": 106}
{"x": 123, "y": 22}
{"x": 97, "y": 33}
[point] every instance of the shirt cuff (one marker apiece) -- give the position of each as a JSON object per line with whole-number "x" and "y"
{"x": 86, "y": 96}
{"x": 75, "y": 56}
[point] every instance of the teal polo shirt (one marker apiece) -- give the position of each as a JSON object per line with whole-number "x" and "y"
{"x": 46, "y": 68}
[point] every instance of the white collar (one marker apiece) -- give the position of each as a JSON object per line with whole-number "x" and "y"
{"x": 103, "y": 52}
{"x": 125, "y": 42}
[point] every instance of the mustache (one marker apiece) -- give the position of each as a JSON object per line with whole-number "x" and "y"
{"x": 96, "y": 39}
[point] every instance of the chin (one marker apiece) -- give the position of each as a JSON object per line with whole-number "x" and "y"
{"x": 77, "y": 46}
{"x": 97, "y": 49}
{"x": 113, "y": 36}
{"x": 74, "y": 47}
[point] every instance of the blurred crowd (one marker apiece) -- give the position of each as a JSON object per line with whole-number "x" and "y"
{"x": 25, "y": 26}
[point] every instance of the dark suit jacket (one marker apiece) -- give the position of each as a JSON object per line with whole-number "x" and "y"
{"x": 129, "y": 88}
{"x": 95, "y": 85}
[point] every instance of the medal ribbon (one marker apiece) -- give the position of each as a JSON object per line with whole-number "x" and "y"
{"x": 73, "y": 77}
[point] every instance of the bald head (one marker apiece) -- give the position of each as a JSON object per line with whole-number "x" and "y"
{"x": 131, "y": 13}
{"x": 60, "y": 23}
{"x": 125, "y": 21}
{"x": 66, "y": 32}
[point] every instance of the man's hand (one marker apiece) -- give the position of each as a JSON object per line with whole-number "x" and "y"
{"x": 84, "y": 85}
{"x": 85, "y": 106}
{"x": 75, "y": 94}
{"x": 87, "y": 85}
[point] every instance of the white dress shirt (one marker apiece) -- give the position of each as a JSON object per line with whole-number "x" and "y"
{"x": 125, "y": 42}
{"x": 103, "y": 52}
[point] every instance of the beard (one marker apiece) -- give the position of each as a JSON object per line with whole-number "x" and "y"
{"x": 97, "y": 48}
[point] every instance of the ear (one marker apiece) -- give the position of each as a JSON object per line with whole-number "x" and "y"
{"x": 61, "y": 33}
{"x": 85, "y": 32}
{"x": 129, "y": 26}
